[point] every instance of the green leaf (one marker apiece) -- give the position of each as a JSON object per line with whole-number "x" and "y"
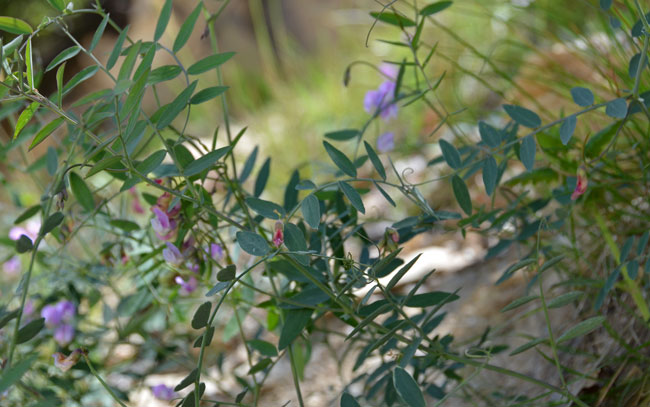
{"x": 13, "y": 374}
{"x": 52, "y": 160}
{"x": 125, "y": 225}
{"x": 98, "y": 34}
{"x": 434, "y": 8}
{"x": 186, "y": 29}
{"x": 207, "y": 94}
{"x": 348, "y": 401}
{"x": 490, "y": 136}
{"x": 617, "y": 108}
{"x": 353, "y": 196}
{"x": 263, "y": 347}
{"x": 117, "y": 48}
{"x": 163, "y": 19}
{"x": 51, "y": 222}
{"x": 227, "y": 273}
{"x": 262, "y": 177}
{"x": 564, "y": 299}
{"x": 342, "y": 135}
{"x": 30, "y": 330}
{"x": 528, "y": 345}
{"x": 340, "y": 159}
{"x": 259, "y": 366}
{"x": 393, "y": 19}
{"x": 14, "y": 25}
{"x": 59, "y": 86}
{"x": 45, "y": 132}
{"x": 450, "y": 154}
{"x": 208, "y": 63}
{"x": 24, "y": 244}
{"x": 462, "y": 194}
{"x": 172, "y": 109}
{"x": 248, "y": 166}
{"x": 527, "y": 152}
{"x": 374, "y": 159}
{"x": 295, "y": 321}
{"x": 207, "y": 161}
{"x": 582, "y": 96}
{"x": 401, "y": 273}
{"x": 385, "y": 194}
{"x": 189, "y": 379}
{"x": 519, "y": 302}
{"x": 57, "y": 4}
{"x": 581, "y": 329}
{"x": 265, "y": 208}
{"x": 25, "y": 117}
{"x": 132, "y": 53}
{"x": 163, "y": 73}
{"x": 598, "y": 141}
{"x": 295, "y": 241}
{"x": 523, "y": 116}
{"x": 29, "y": 64}
{"x": 105, "y": 164}
{"x": 6, "y": 317}
{"x": 490, "y": 174}
{"x": 151, "y": 163}
{"x": 81, "y": 192}
{"x": 567, "y": 128}
{"x": 606, "y": 4}
{"x": 252, "y": 243}
{"x": 28, "y": 213}
{"x": 81, "y": 76}
{"x": 430, "y": 299}
{"x": 201, "y": 315}
{"x": 310, "y": 208}
{"x": 407, "y": 388}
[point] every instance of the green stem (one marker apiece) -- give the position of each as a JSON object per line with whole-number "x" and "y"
{"x": 103, "y": 383}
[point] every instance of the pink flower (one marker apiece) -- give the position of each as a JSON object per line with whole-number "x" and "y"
{"x": 12, "y": 266}
{"x": 136, "y": 205}
{"x": 64, "y": 334}
{"x": 162, "y": 225}
{"x": 172, "y": 255}
{"x": 386, "y": 142}
{"x": 187, "y": 286}
{"x": 278, "y": 235}
{"x": 160, "y": 391}
{"x": 31, "y": 230}
{"x": 65, "y": 363}
{"x": 581, "y": 184}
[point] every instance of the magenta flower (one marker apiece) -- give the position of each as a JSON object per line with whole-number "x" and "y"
{"x": 278, "y": 235}
{"x": 64, "y": 334}
{"x": 172, "y": 255}
{"x": 12, "y": 266}
{"x": 187, "y": 286}
{"x": 162, "y": 225}
{"x": 160, "y": 391}
{"x": 581, "y": 184}
{"x": 386, "y": 142}
{"x": 136, "y": 205}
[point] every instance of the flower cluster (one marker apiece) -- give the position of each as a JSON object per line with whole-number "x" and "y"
{"x": 165, "y": 221}
{"x": 60, "y": 317}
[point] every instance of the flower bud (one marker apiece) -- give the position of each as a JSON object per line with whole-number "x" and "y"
{"x": 581, "y": 184}
{"x": 278, "y": 235}
{"x": 66, "y": 362}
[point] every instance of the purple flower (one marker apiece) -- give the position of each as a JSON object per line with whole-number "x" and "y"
{"x": 386, "y": 142}
{"x": 380, "y": 99}
{"x": 64, "y": 334}
{"x": 31, "y": 230}
{"x": 162, "y": 225}
{"x": 186, "y": 286}
{"x": 63, "y": 311}
{"x": 389, "y": 70}
{"x": 160, "y": 391}
{"x": 216, "y": 251}
{"x": 12, "y": 266}
{"x": 172, "y": 255}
